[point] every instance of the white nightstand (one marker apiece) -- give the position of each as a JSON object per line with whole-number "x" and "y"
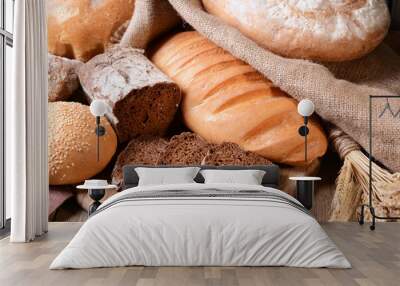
{"x": 96, "y": 190}
{"x": 305, "y": 190}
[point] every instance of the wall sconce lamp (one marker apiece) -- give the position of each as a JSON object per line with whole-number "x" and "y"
{"x": 305, "y": 108}
{"x": 98, "y": 108}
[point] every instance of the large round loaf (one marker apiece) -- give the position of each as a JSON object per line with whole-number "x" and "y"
{"x": 226, "y": 100}
{"x": 73, "y": 144}
{"x": 326, "y": 30}
{"x": 81, "y": 29}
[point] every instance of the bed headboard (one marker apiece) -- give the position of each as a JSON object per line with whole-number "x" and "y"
{"x": 271, "y": 177}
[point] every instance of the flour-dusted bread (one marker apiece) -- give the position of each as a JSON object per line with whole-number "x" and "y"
{"x": 231, "y": 154}
{"x": 143, "y": 100}
{"x": 72, "y": 143}
{"x": 226, "y": 100}
{"x": 144, "y": 150}
{"x": 326, "y": 30}
{"x": 62, "y": 77}
{"x": 81, "y": 29}
{"x": 184, "y": 149}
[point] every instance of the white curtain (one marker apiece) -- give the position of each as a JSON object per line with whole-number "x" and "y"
{"x": 26, "y": 123}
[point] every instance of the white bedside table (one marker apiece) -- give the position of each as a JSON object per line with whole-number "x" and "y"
{"x": 305, "y": 190}
{"x": 96, "y": 190}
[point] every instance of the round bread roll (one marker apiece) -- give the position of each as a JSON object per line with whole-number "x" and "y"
{"x": 81, "y": 29}
{"x": 226, "y": 100}
{"x": 72, "y": 143}
{"x": 326, "y": 30}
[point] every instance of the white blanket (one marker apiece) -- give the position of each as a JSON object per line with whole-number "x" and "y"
{"x": 183, "y": 231}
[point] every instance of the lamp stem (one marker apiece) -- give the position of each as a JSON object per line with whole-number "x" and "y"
{"x": 305, "y": 146}
{"x": 305, "y": 139}
{"x": 98, "y": 137}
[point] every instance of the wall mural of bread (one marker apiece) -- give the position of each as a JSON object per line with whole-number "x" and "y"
{"x": 81, "y": 29}
{"x": 308, "y": 29}
{"x": 196, "y": 96}
{"x": 226, "y": 100}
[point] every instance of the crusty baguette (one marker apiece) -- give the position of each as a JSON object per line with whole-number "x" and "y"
{"x": 226, "y": 100}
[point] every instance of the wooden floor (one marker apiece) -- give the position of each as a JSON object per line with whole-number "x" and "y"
{"x": 375, "y": 257}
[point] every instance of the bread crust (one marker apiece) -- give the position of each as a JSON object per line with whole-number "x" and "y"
{"x": 324, "y": 30}
{"x": 144, "y": 150}
{"x": 72, "y": 143}
{"x": 184, "y": 149}
{"x": 226, "y": 100}
{"x": 62, "y": 77}
{"x": 231, "y": 154}
{"x": 81, "y": 29}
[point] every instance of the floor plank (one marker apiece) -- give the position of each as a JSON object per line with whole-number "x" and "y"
{"x": 375, "y": 257}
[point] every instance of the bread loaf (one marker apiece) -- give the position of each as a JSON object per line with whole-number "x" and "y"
{"x": 144, "y": 150}
{"x": 62, "y": 77}
{"x": 226, "y": 100}
{"x": 184, "y": 149}
{"x": 231, "y": 154}
{"x": 81, "y": 29}
{"x": 72, "y": 143}
{"x": 326, "y": 30}
{"x": 143, "y": 100}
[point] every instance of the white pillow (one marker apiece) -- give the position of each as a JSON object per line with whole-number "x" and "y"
{"x": 248, "y": 177}
{"x": 165, "y": 176}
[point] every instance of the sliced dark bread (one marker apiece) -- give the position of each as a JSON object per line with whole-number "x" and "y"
{"x": 184, "y": 149}
{"x": 231, "y": 154}
{"x": 144, "y": 150}
{"x": 142, "y": 99}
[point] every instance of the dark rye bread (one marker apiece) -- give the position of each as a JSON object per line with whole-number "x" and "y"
{"x": 144, "y": 150}
{"x": 232, "y": 154}
{"x": 142, "y": 99}
{"x": 184, "y": 149}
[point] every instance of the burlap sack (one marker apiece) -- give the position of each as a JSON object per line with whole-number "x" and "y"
{"x": 150, "y": 18}
{"x": 380, "y": 69}
{"x": 340, "y": 97}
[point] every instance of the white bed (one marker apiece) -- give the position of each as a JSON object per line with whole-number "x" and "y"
{"x": 248, "y": 226}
